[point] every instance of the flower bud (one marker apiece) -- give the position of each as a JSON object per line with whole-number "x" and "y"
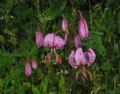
{"x": 77, "y": 41}
{"x": 34, "y": 64}
{"x": 39, "y": 39}
{"x": 64, "y": 24}
{"x": 58, "y": 59}
{"x": 28, "y": 70}
{"x": 83, "y": 28}
{"x": 48, "y": 58}
{"x": 79, "y": 57}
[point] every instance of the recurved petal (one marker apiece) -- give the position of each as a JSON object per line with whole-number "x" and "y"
{"x": 49, "y": 40}
{"x": 91, "y": 57}
{"x": 59, "y": 43}
{"x": 71, "y": 59}
{"x": 79, "y": 57}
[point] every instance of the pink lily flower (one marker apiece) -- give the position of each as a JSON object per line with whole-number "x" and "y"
{"x": 76, "y": 58}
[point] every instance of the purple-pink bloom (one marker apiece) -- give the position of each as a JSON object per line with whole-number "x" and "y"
{"x": 49, "y": 40}
{"x": 64, "y": 24}
{"x": 28, "y": 70}
{"x": 79, "y": 57}
{"x": 34, "y": 64}
{"x": 77, "y": 41}
{"x": 90, "y": 56}
{"x": 71, "y": 59}
{"x": 53, "y": 41}
{"x": 59, "y": 42}
{"x": 83, "y": 28}
{"x": 39, "y": 39}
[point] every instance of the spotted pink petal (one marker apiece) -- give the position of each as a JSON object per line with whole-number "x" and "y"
{"x": 71, "y": 59}
{"x": 59, "y": 43}
{"x": 91, "y": 56}
{"x": 79, "y": 57}
{"x": 49, "y": 40}
{"x": 28, "y": 70}
{"x": 39, "y": 39}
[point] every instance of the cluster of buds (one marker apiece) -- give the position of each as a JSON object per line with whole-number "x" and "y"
{"x": 29, "y": 65}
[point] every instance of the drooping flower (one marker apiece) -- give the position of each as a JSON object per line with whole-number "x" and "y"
{"x": 83, "y": 28}
{"x": 59, "y": 42}
{"x": 56, "y": 42}
{"x": 71, "y": 59}
{"x": 77, "y": 41}
{"x": 39, "y": 38}
{"x": 64, "y": 24}
{"x": 34, "y": 64}
{"x": 90, "y": 56}
{"x": 79, "y": 57}
{"x": 28, "y": 70}
{"x": 49, "y": 40}
{"x": 53, "y": 41}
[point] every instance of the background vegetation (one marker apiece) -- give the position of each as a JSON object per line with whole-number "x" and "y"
{"x": 18, "y": 22}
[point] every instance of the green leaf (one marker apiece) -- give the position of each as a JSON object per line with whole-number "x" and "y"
{"x": 44, "y": 85}
{"x": 5, "y": 59}
{"x": 35, "y": 90}
{"x": 95, "y": 42}
{"x": 62, "y": 85}
{"x": 52, "y": 13}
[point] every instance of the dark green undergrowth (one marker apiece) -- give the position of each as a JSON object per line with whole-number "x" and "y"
{"x": 18, "y": 22}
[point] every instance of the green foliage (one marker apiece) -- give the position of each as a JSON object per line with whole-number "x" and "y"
{"x": 52, "y": 13}
{"x": 18, "y": 22}
{"x": 62, "y": 85}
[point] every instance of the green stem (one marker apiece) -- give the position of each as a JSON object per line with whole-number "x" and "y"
{"x": 106, "y": 83}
